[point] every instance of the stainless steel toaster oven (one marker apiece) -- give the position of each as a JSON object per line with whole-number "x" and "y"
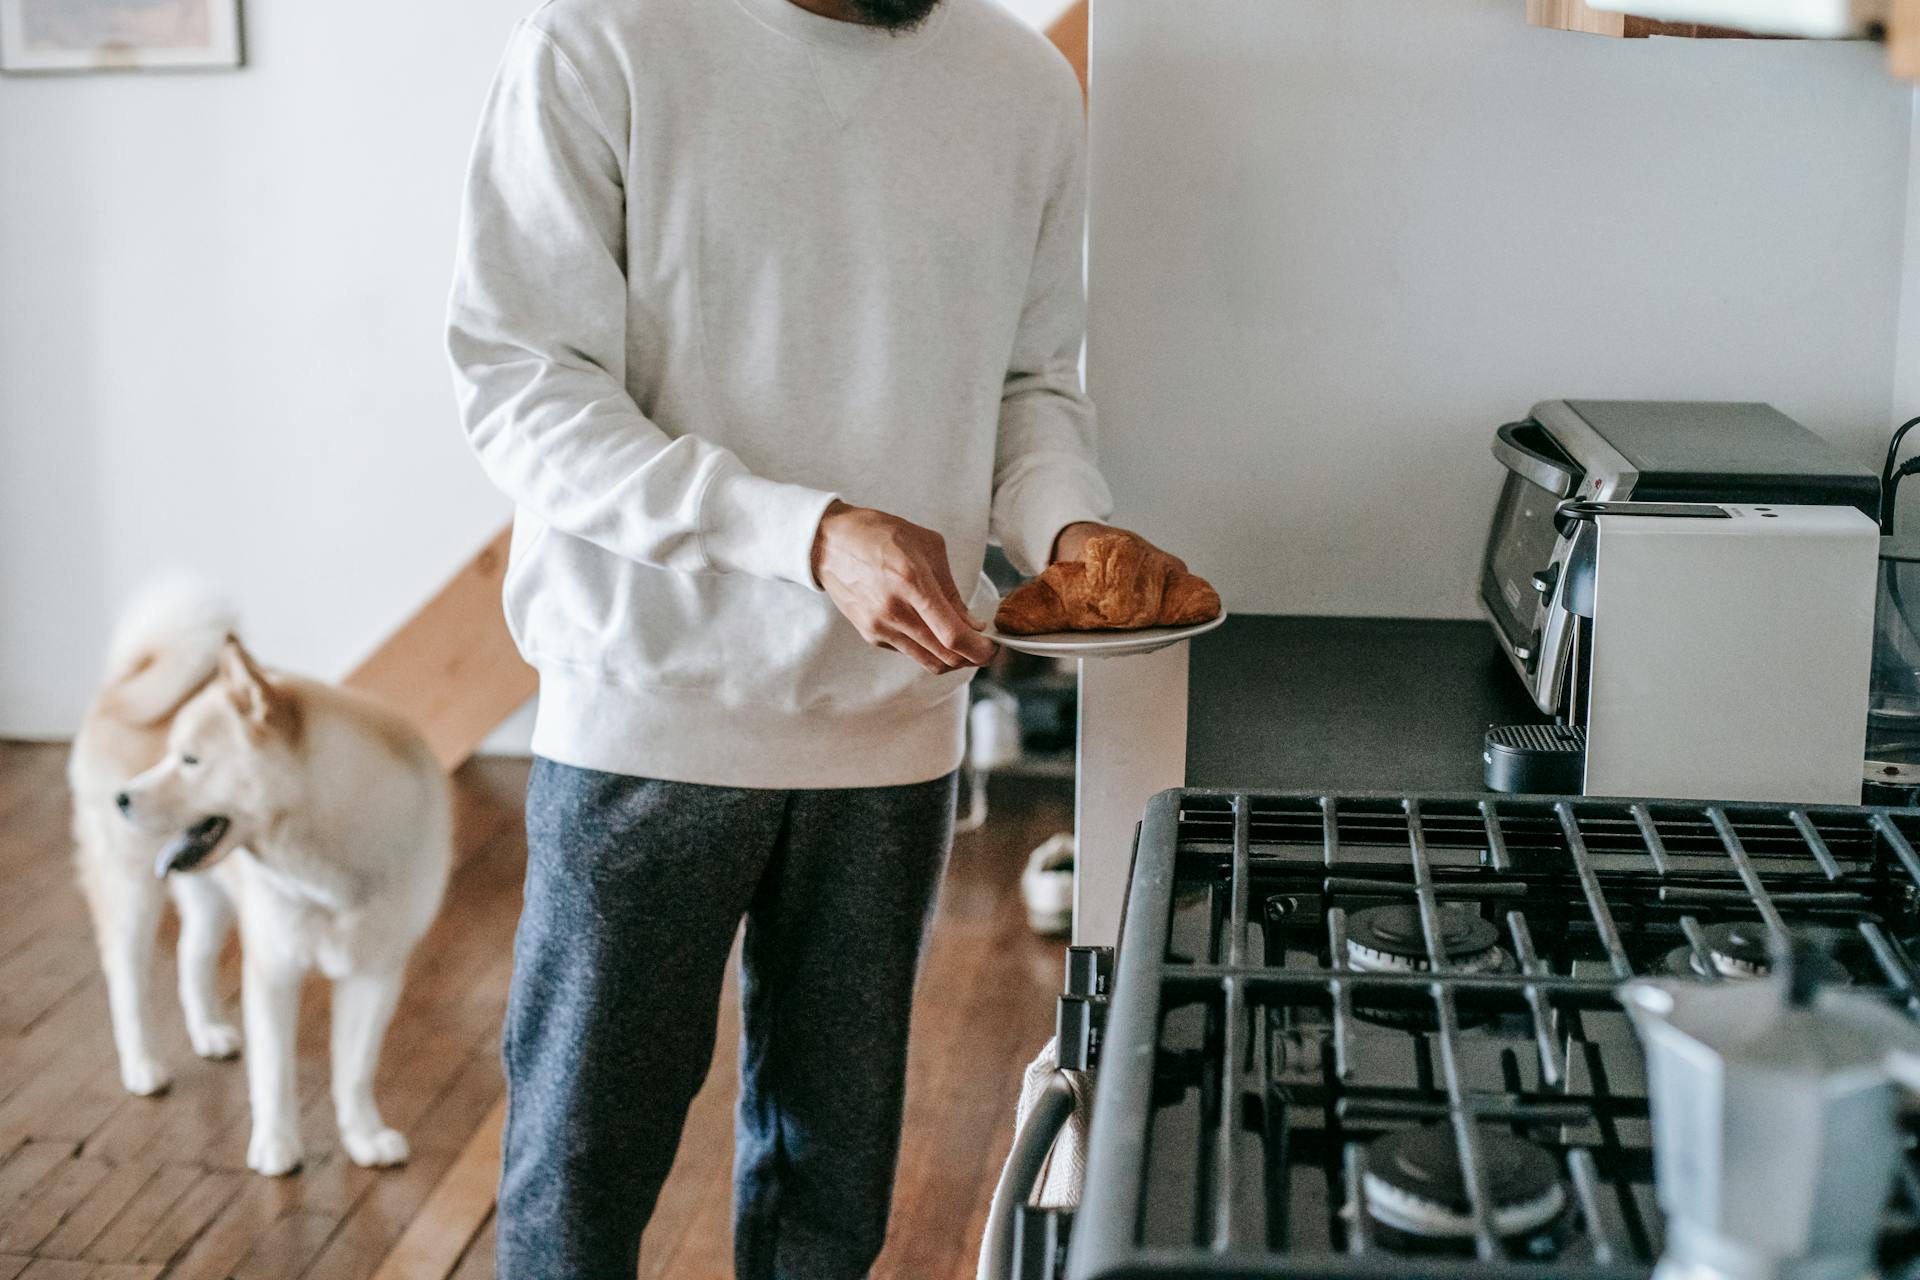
{"x": 1642, "y": 451}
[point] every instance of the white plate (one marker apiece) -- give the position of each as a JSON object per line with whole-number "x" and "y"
{"x": 1103, "y": 644}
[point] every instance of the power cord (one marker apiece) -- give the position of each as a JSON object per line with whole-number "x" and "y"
{"x": 1892, "y": 472}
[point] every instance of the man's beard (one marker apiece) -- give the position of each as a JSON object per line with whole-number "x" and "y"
{"x": 894, "y": 15}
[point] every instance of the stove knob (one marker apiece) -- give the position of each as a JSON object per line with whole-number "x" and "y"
{"x": 1089, "y": 970}
{"x": 1078, "y": 1023}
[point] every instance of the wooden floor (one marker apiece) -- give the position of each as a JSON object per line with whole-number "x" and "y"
{"x": 94, "y": 1183}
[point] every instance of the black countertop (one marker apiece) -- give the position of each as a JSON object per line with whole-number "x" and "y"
{"x": 1348, "y": 704}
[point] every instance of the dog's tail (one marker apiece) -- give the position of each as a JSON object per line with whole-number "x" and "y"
{"x": 166, "y": 645}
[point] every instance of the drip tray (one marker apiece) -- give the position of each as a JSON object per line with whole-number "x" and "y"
{"x": 1536, "y": 759}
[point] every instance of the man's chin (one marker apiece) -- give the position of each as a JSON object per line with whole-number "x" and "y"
{"x": 895, "y": 15}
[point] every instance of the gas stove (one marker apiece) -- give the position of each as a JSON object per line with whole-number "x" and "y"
{"x": 1376, "y": 1035}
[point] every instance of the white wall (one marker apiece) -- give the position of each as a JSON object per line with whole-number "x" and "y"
{"x": 1335, "y": 242}
{"x": 220, "y": 338}
{"x": 220, "y": 295}
{"x": 220, "y": 309}
{"x": 1906, "y": 385}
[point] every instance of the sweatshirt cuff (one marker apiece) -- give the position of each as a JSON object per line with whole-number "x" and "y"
{"x": 1041, "y": 511}
{"x": 752, "y": 525}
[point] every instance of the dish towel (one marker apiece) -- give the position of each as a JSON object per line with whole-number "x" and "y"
{"x": 1064, "y": 1176}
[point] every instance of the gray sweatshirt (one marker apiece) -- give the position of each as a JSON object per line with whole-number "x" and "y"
{"x": 722, "y": 261}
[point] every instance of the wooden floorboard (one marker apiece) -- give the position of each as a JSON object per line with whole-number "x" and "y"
{"x": 97, "y": 1184}
{"x": 437, "y": 1238}
{"x": 477, "y": 1262}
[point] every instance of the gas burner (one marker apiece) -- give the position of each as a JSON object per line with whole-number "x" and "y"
{"x": 1739, "y": 950}
{"x": 1390, "y": 940}
{"x": 1418, "y": 1199}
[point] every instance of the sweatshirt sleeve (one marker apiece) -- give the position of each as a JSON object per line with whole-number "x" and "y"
{"x": 1044, "y": 477}
{"x": 537, "y": 333}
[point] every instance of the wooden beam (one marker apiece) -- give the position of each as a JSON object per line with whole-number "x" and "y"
{"x": 1577, "y": 15}
{"x": 1903, "y": 39}
{"x": 452, "y": 667}
{"x": 454, "y": 1212}
{"x": 1574, "y": 15}
{"x": 1069, "y": 35}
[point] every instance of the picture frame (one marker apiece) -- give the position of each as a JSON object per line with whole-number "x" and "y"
{"x": 39, "y": 36}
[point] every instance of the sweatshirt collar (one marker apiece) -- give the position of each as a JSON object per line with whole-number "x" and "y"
{"x": 791, "y": 20}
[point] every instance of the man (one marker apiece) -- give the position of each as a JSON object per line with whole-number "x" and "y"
{"x": 767, "y": 316}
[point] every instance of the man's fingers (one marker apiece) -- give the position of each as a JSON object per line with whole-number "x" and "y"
{"x": 948, "y": 626}
{"x": 947, "y": 633}
{"x": 923, "y": 632}
{"x": 902, "y": 643}
{"x": 919, "y": 612}
{"x": 943, "y": 576}
{"x": 905, "y": 618}
{"x": 960, "y": 637}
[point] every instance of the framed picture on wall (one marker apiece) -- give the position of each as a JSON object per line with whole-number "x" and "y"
{"x": 118, "y": 35}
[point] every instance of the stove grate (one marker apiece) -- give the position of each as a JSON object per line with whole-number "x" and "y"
{"x": 1248, "y": 1064}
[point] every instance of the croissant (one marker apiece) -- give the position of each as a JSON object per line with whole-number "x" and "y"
{"x": 1120, "y": 583}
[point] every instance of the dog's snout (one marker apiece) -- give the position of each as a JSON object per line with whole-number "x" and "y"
{"x": 123, "y": 802}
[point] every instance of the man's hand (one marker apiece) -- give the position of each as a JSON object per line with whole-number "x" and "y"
{"x": 891, "y": 580}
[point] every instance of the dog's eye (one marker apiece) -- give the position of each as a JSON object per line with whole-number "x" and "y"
{"x": 189, "y": 760}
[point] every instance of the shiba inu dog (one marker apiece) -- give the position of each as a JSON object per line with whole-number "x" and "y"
{"x": 317, "y": 815}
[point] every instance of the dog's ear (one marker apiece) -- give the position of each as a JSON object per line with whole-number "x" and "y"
{"x": 244, "y": 683}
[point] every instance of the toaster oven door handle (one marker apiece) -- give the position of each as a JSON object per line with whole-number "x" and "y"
{"x": 1549, "y": 473}
{"x": 1569, "y": 515}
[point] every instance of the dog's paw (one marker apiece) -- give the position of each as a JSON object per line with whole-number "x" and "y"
{"x": 215, "y": 1040}
{"x": 144, "y": 1076}
{"x": 274, "y": 1153}
{"x": 376, "y": 1148}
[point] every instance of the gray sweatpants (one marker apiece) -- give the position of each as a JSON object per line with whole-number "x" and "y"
{"x": 634, "y": 890}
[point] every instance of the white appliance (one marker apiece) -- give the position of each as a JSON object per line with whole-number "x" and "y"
{"x": 1686, "y": 587}
{"x": 1731, "y": 651}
